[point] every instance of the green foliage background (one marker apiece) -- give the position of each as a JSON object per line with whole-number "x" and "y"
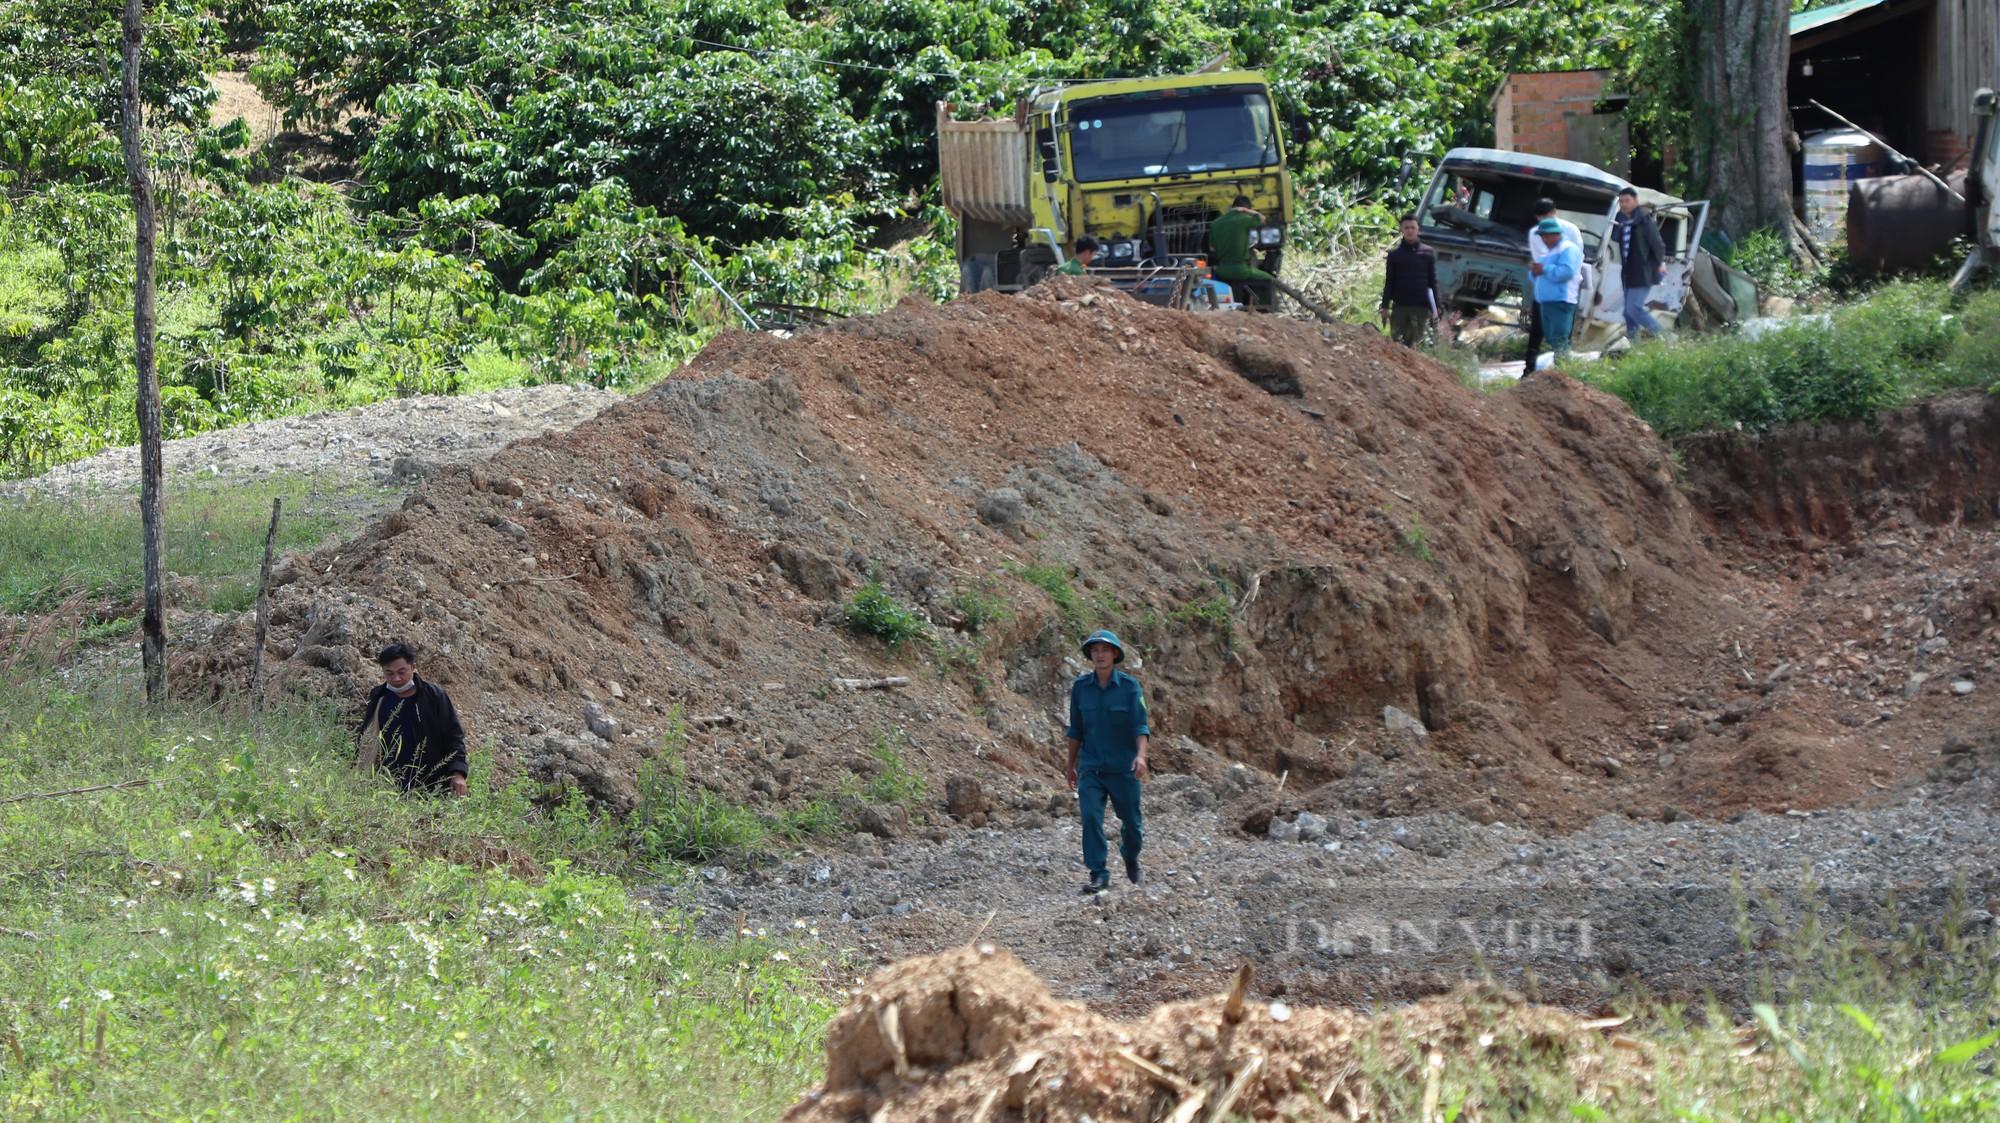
{"x": 515, "y": 192}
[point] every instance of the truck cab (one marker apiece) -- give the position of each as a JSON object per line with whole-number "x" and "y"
{"x": 1143, "y": 165}
{"x": 1479, "y": 208}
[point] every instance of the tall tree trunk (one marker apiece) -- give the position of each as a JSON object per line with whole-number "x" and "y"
{"x": 1738, "y": 157}
{"x": 131, "y": 128}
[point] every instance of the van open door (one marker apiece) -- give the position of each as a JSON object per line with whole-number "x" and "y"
{"x": 1681, "y": 226}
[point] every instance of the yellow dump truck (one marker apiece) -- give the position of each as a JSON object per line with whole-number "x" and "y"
{"x": 1142, "y": 165}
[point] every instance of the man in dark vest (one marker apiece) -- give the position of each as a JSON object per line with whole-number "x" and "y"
{"x": 410, "y": 729}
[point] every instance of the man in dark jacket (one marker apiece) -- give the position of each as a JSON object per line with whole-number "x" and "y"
{"x": 410, "y": 729}
{"x": 1411, "y": 302}
{"x": 1643, "y": 258}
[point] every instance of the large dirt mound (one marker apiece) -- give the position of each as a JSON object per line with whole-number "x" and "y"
{"x": 1295, "y": 527}
{"x": 973, "y": 1035}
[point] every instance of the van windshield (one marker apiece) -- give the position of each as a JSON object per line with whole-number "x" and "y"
{"x": 1498, "y": 205}
{"x": 1169, "y": 134}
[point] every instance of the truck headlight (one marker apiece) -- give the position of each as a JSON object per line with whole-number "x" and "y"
{"x": 1270, "y": 236}
{"x": 1122, "y": 251}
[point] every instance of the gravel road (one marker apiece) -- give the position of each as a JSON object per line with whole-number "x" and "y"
{"x": 1374, "y": 910}
{"x": 388, "y": 442}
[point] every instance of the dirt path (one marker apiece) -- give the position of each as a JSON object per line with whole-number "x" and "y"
{"x": 396, "y": 442}
{"x": 1369, "y": 909}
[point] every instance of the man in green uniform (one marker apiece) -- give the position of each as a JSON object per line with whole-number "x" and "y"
{"x": 1108, "y": 731}
{"x": 1086, "y": 252}
{"x": 1229, "y": 247}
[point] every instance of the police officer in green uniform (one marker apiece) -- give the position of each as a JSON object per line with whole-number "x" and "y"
{"x": 1086, "y": 252}
{"x": 1229, "y": 247}
{"x": 1108, "y": 732}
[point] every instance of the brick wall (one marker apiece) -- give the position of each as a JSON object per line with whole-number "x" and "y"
{"x": 1531, "y": 114}
{"x": 1946, "y": 149}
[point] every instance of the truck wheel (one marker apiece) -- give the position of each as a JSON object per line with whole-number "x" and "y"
{"x": 1037, "y": 262}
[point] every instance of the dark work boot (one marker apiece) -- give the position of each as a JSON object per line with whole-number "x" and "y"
{"x": 1132, "y": 871}
{"x": 1098, "y": 883}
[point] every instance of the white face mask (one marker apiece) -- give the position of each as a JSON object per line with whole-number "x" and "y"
{"x": 406, "y": 689}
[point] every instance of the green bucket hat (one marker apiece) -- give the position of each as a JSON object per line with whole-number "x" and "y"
{"x": 1105, "y": 636}
{"x": 1549, "y": 226}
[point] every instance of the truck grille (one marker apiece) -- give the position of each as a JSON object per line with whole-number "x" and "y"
{"x": 1187, "y": 228}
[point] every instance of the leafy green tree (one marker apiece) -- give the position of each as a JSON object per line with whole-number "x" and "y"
{"x": 543, "y": 111}
{"x": 49, "y": 131}
{"x": 73, "y": 45}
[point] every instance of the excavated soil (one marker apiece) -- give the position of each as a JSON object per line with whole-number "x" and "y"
{"x": 1498, "y": 565}
{"x": 1519, "y": 570}
{"x": 973, "y": 1035}
{"x": 1631, "y": 683}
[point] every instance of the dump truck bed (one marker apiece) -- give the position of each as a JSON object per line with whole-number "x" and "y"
{"x": 983, "y": 170}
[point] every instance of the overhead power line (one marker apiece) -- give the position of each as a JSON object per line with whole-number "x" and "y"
{"x": 770, "y": 52}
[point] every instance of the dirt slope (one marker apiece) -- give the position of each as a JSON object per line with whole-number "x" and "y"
{"x": 1502, "y": 566}
{"x": 1294, "y": 526}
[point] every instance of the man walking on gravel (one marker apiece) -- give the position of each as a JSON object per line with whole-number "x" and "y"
{"x": 410, "y": 729}
{"x": 1108, "y": 732}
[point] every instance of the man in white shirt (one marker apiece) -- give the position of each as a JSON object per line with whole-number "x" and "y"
{"x": 1537, "y": 250}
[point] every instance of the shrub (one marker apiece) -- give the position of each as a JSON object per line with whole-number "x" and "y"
{"x": 1217, "y": 611}
{"x": 690, "y": 826}
{"x": 1767, "y": 258}
{"x": 873, "y": 612}
{"x": 1974, "y": 359}
{"x": 982, "y": 607}
{"x": 1895, "y": 345}
{"x": 679, "y": 821}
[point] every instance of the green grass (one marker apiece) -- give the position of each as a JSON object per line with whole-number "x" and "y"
{"x": 894, "y": 780}
{"x": 1216, "y": 611}
{"x": 676, "y": 820}
{"x": 263, "y": 934}
{"x": 51, "y": 548}
{"x": 982, "y": 607}
{"x": 1902, "y": 342}
{"x": 1899, "y": 1025}
{"x": 1055, "y": 581}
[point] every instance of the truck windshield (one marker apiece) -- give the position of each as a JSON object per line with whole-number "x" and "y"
{"x": 1171, "y": 135}
{"x": 1487, "y": 204}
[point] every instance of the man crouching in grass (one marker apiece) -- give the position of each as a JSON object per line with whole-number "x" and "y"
{"x": 410, "y": 729}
